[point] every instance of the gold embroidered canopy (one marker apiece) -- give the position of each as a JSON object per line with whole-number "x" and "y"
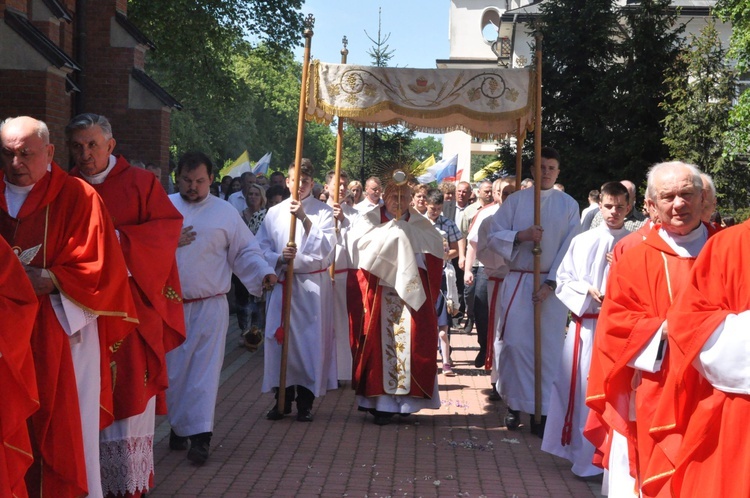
{"x": 482, "y": 102}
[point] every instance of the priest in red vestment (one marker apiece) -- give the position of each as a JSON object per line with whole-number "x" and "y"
{"x": 18, "y": 306}
{"x": 705, "y": 409}
{"x": 398, "y": 256}
{"x": 148, "y": 227}
{"x": 61, "y": 227}
{"x": 629, "y": 363}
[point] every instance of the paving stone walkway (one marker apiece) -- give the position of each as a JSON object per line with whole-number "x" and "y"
{"x": 459, "y": 450}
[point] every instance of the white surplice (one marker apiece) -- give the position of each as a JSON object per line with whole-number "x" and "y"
{"x": 584, "y": 266}
{"x": 561, "y": 222}
{"x": 311, "y": 360}
{"x": 340, "y": 308}
{"x": 223, "y": 245}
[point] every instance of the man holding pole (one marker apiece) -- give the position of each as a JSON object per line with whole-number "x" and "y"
{"x": 311, "y": 368}
{"x": 513, "y": 235}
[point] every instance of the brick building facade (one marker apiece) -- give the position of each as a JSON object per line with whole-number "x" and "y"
{"x": 59, "y": 58}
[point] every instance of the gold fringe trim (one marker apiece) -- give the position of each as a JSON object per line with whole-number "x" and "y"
{"x": 405, "y": 112}
{"x": 120, "y": 314}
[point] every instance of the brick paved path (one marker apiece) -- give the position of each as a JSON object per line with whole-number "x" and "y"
{"x": 459, "y": 450}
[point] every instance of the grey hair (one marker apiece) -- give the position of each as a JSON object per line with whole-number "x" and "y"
{"x": 88, "y": 120}
{"x": 41, "y": 130}
{"x": 709, "y": 182}
{"x": 656, "y": 169}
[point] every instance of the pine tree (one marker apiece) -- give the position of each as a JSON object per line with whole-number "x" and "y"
{"x": 699, "y": 99}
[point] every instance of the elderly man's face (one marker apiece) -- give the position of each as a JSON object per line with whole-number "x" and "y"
{"x": 25, "y": 155}
{"x": 90, "y": 150}
{"x": 678, "y": 203}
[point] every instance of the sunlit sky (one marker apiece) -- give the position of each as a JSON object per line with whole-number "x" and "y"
{"x": 418, "y": 30}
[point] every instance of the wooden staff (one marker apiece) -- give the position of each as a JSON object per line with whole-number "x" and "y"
{"x": 287, "y": 304}
{"x": 537, "y": 251}
{"x": 337, "y": 166}
{"x": 520, "y": 137}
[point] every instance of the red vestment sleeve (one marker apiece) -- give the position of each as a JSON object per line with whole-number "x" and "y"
{"x": 18, "y": 307}
{"x": 697, "y": 426}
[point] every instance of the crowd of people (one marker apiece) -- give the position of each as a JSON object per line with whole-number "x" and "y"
{"x": 114, "y": 309}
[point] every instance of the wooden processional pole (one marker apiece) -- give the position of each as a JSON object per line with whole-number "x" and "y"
{"x": 287, "y": 304}
{"x": 520, "y": 137}
{"x": 337, "y": 166}
{"x": 537, "y": 251}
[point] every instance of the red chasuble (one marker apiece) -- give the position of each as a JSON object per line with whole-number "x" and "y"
{"x": 79, "y": 248}
{"x": 365, "y": 296}
{"x": 635, "y": 306}
{"x": 701, "y": 429}
{"x": 18, "y": 306}
{"x": 149, "y": 227}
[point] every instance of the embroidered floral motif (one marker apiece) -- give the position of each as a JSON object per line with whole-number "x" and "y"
{"x": 395, "y": 341}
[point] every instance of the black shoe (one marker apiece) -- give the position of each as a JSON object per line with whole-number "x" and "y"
{"x": 479, "y": 360}
{"x": 469, "y": 326}
{"x": 512, "y": 419}
{"x": 494, "y": 396}
{"x": 304, "y": 415}
{"x": 199, "y": 444}
{"x": 383, "y": 418}
{"x": 177, "y": 443}
{"x": 538, "y": 429}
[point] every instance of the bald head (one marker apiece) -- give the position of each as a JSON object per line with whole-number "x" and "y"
{"x": 26, "y": 151}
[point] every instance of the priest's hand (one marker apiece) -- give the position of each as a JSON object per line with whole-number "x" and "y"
{"x": 42, "y": 284}
{"x": 542, "y": 293}
{"x": 269, "y": 281}
{"x": 187, "y": 236}
{"x": 595, "y": 294}
{"x": 610, "y": 257}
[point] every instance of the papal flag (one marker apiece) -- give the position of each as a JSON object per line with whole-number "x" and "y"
{"x": 239, "y": 166}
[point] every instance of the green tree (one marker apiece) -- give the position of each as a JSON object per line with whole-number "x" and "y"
{"x": 420, "y": 148}
{"x": 737, "y": 137}
{"x": 198, "y": 43}
{"x": 272, "y": 77}
{"x": 700, "y": 94}
{"x": 579, "y": 51}
{"x": 650, "y": 47}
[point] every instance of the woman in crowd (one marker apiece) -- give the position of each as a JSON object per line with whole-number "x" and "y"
{"x": 251, "y": 310}
{"x": 356, "y": 189}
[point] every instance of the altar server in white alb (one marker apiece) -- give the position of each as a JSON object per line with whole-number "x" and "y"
{"x": 311, "y": 361}
{"x": 581, "y": 280}
{"x": 214, "y": 243}
{"x": 346, "y": 216}
{"x": 512, "y": 235}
